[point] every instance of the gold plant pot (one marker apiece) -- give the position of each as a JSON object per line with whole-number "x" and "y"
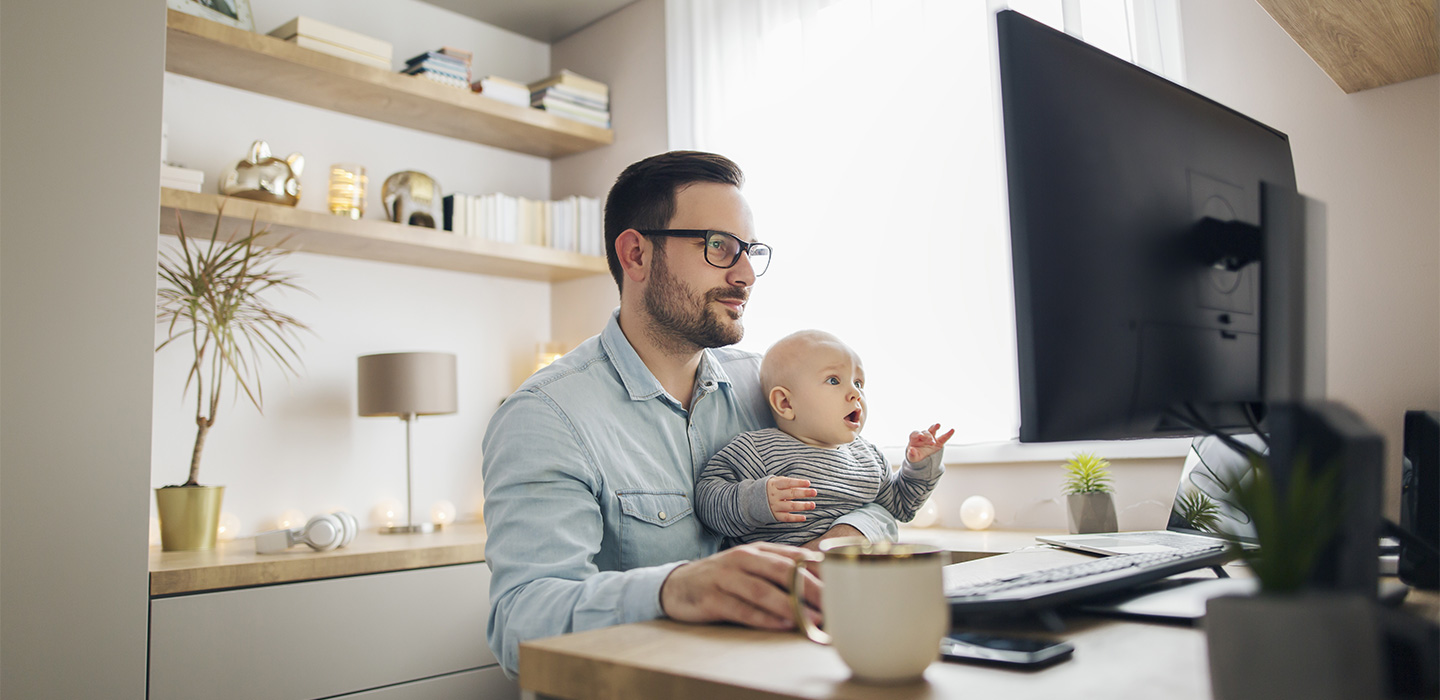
{"x": 189, "y": 516}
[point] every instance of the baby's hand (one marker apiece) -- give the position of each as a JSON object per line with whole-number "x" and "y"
{"x": 782, "y": 492}
{"x": 924, "y": 443}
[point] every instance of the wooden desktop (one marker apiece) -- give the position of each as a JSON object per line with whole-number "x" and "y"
{"x": 664, "y": 659}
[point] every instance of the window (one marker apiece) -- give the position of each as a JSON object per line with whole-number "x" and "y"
{"x": 869, "y": 133}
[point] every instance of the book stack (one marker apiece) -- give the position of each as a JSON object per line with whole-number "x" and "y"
{"x": 330, "y": 39}
{"x": 573, "y": 224}
{"x": 446, "y": 65}
{"x": 178, "y": 178}
{"x": 505, "y": 90}
{"x": 573, "y": 96}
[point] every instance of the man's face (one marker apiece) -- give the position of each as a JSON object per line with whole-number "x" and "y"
{"x": 690, "y": 301}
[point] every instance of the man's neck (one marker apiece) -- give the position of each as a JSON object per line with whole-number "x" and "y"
{"x": 673, "y": 362}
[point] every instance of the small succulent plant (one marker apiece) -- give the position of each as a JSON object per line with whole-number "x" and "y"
{"x": 1198, "y": 509}
{"x": 1086, "y": 473}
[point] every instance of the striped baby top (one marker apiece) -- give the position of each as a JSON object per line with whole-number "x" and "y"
{"x": 730, "y": 494}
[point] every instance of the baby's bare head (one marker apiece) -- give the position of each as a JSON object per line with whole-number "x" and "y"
{"x": 793, "y": 353}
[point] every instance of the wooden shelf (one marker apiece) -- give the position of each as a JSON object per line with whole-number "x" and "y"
{"x": 263, "y": 64}
{"x": 370, "y": 239}
{"x": 235, "y": 564}
{"x": 1362, "y": 45}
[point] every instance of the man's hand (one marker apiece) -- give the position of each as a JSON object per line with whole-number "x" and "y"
{"x": 837, "y": 531}
{"x": 924, "y": 443}
{"x": 748, "y": 584}
{"x": 781, "y": 492}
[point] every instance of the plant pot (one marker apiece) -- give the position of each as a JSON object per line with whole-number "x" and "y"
{"x": 189, "y": 516}
{"x": 1091, "y": 512}
{"x": 1317, "y": 646}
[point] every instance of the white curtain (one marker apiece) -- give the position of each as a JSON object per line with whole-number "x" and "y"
{"x": 870, "y": 138}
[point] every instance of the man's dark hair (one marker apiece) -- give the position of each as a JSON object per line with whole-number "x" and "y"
{"x": 643, "y": 197}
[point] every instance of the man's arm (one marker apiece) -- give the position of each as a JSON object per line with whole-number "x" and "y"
{"x": 870, "y": 520}
{"x": 544, "y": 528}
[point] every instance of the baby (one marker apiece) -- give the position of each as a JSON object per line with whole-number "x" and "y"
{"x": 754, "y": 488}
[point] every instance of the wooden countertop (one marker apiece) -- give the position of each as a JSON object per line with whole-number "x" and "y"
{"x": 234, "y": 564}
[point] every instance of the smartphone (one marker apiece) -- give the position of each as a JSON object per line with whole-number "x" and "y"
{"x": 971, "y": 647}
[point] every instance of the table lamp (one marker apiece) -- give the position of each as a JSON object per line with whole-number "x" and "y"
{"x": 407, "y": 385}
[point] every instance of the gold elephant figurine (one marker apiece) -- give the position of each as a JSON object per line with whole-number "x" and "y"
{"x": 412, "y": 198}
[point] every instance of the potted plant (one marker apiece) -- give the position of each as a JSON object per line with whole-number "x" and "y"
{"x": 210, "y": 297}
{"x": 1199, "y": 510}
{"x": 1088, "y": 495}
{"x": 1291, "y": 640}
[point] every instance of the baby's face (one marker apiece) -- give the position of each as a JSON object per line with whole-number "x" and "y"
{"x": 827, "y": 391}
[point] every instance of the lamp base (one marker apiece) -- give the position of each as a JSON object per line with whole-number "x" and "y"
{"x": 417, "y": 529}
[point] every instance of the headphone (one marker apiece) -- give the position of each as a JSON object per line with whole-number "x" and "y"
{"x": 322, "y": 532}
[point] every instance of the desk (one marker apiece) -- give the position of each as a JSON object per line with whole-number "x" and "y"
{"x": 665, "y": 659}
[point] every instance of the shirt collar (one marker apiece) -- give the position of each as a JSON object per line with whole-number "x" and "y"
{"x": 639, "y": 381}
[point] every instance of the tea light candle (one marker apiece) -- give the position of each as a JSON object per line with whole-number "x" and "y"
{"x": 347, "y": 190}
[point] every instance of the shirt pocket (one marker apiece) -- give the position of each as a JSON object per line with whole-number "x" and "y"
{"x": 657, "y": 527}
{"x": 660, "y": 508}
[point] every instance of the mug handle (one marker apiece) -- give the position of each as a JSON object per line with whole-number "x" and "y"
{"x": 797, "y": 583}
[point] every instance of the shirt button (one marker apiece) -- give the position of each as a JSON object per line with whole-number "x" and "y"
{"x": 662, "y": 515}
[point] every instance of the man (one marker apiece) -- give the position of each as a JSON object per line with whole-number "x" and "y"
{"x": 590, "y": 466}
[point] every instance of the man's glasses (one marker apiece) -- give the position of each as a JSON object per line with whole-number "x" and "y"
{"x": 722, "y": 249}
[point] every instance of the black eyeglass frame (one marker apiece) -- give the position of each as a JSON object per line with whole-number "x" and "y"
{"x": 744, "y": 247}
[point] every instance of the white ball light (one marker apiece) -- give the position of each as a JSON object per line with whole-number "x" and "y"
{"x": 442, "y": 513}
{"x": 290, "y": 519}
{"x": 977, "y": 512}
{"x": 388, "y": 513}
{"x": 229, "y": 526}
{"x": 927, "y": 516}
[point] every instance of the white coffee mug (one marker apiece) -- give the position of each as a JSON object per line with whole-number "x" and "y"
{"x": 883, "y": 603}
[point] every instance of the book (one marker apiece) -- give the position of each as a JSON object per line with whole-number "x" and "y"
{"x": 579, "y": 97}
{"x": 461, "y": 54}
{"x": 504, "y": 90}
{"x": 567, "y": 110}
{"x": 574, "y": 81}
{"x": 333, "y": 35}
{"x": 339, "y": 51}
{"x": 437, "y": 58}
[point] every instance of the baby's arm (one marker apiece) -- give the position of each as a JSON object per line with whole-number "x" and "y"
{"x": 906, "y": 490}
{"x": 733, "y": 504}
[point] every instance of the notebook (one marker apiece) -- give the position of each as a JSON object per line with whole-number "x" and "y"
{"x": 1203, "y": 514}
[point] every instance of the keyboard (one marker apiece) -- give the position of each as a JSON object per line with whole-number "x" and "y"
{"x": 1072, "y": 583}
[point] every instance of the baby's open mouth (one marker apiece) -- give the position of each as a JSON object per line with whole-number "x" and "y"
{"x": 853, "y": 417}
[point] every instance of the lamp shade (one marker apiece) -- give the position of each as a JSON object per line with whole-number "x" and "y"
{"x": 407, "y": 383}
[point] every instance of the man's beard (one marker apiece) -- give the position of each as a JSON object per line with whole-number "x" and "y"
{"x": 679, "y": 320}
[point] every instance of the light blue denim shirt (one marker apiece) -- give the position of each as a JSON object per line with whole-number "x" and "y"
{"x": 590, "y": 472}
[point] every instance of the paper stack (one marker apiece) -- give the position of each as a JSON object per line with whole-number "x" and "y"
{"x": 330, "y": 39}
{"x": 177, "y": 178}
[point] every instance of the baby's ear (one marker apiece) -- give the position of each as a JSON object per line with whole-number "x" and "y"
{"x": 780, "y": 403}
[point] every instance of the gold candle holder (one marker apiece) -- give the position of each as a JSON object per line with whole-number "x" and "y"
{"x": 347, "y": 190}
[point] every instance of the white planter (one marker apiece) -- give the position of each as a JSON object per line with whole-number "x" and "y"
{"x": 1318, "y": 646}
{"x": 1091, "y": 512}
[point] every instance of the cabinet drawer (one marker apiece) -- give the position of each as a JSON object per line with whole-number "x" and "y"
{"x": 482, "y": 684}
{"x": 320, "y": 638}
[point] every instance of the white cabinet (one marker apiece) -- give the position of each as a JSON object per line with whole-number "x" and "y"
{"x": 406, "y": 635}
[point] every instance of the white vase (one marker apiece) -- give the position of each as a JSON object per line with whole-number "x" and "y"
{"x": 1318, "y": 646}
{"x": 1091, "y": 512}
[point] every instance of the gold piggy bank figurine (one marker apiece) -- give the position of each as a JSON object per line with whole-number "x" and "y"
{"x": 264, "y": 177}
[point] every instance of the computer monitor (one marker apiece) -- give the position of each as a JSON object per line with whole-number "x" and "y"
{"x": 1133, "y": 319}
{"x": 1142, "y": 216}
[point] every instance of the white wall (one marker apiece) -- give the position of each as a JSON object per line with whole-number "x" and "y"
{"x": 1373, "y": 157}
{"x": 310, "y": 452}
{"x": 626, "y": 49}
{"x": 81, "y": 131}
